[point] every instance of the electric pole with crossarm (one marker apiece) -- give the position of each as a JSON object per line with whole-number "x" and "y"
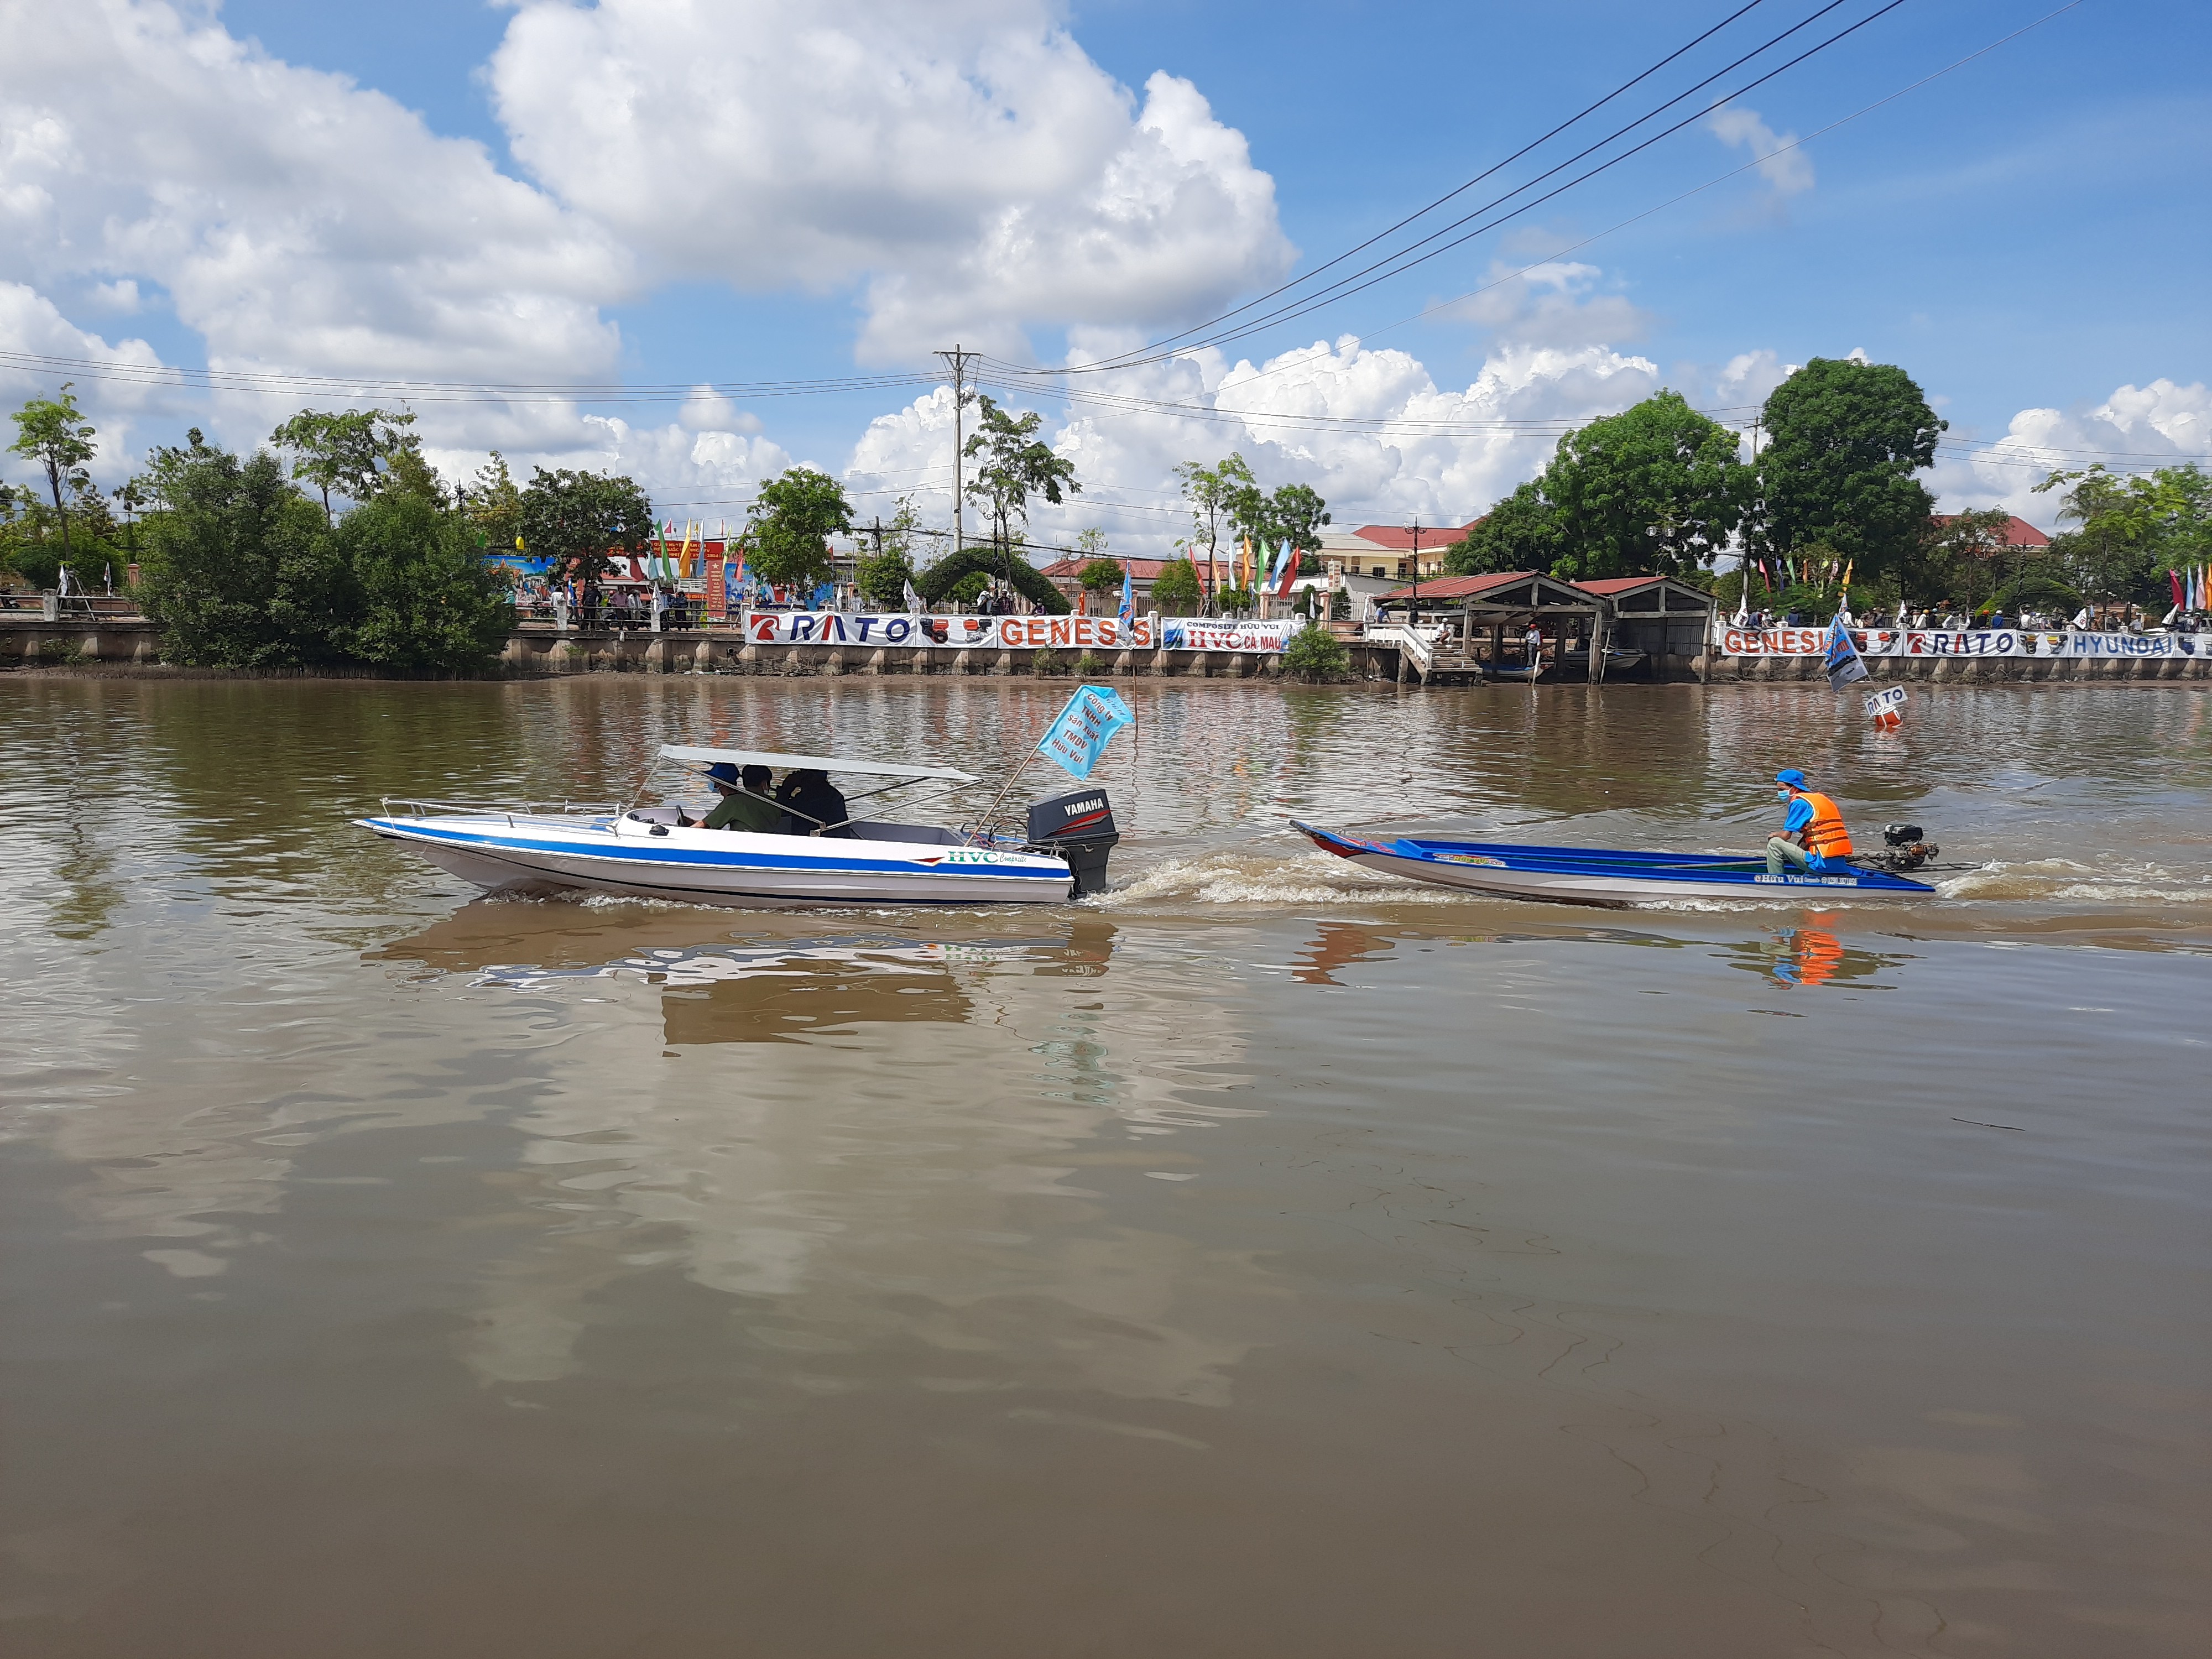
{"x": 959, "y": 360}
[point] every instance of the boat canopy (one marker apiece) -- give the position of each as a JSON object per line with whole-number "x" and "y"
{"x": 817, "y": 762}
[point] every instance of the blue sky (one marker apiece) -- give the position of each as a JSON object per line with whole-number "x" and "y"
{"x": 2026, "y": 234}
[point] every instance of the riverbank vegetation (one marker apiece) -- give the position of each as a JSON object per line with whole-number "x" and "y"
{"x": 1831, "y": 502}
{"x": 337, "y": 544}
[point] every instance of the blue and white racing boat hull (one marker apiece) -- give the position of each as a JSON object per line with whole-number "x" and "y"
{"x": 1581, "y": 875}
{"x": 634, "y": 858}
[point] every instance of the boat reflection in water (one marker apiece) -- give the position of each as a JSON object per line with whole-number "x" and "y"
{"x": 931, "y": 1217}
{"x": 769, "y": 985}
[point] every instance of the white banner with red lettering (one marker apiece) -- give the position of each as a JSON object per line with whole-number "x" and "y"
{"x": 988, "y": 633}
{"x": 1967, "y": 642}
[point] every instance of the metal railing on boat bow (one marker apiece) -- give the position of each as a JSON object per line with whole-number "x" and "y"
{"x": 414, "y": 807}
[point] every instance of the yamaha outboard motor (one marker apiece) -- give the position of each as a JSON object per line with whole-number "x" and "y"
{"x": 1078, "y": 828}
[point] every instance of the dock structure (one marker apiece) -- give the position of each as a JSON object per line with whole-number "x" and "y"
{"x": 1473, "y": 627}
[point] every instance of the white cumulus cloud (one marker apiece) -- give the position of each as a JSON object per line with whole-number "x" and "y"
{"x": 966, "y": 165}
{"x": 1788, "y": 171}
{"x": 121, "y": 408}
{"x": 2135, "y": 429}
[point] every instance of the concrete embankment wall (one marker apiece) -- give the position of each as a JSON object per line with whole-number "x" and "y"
{"x": 532, "y": 653}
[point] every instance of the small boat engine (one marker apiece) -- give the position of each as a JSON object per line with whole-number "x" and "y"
{"x": 1904, "y": 847}
{"x": 1078, "y": 828}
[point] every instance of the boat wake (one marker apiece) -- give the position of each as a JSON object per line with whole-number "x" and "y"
{"x": 1250, "y": 877}
{"x": 2064, "y": 881}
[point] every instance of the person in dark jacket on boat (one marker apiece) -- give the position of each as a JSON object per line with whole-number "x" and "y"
{"x": 746, "y": 804}
{"x": 812, "y": 805}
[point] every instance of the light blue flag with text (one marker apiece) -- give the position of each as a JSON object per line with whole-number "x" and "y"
{"x": 1079, "y": 737}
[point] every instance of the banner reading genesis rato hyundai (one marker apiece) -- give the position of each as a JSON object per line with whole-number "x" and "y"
{"x": 1966, "y": 642}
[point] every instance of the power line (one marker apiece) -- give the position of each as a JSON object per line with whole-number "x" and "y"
{"x": 1487, "y": 172}
{"x": 1406, "y": 260}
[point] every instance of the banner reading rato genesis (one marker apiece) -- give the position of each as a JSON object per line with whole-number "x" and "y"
{"x": 1972, "y": 642}
{"x": 991, "y": 633}
{"x": 1206, "y": 634}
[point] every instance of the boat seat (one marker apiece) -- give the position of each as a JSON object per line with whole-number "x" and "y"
{"x": 928, "y": 835}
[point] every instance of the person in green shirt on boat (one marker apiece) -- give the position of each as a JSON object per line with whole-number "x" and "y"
{"x": 745, "y": 804}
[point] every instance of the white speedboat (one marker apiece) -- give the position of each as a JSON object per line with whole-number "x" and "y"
{"x": 660, "y": 853}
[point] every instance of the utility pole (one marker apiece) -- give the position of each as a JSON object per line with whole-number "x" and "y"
{"x": 959, "y": 360}
{"x": 1413, "y": 608}
{"x": 1755, "y": 530}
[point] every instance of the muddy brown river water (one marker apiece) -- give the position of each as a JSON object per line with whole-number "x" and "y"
{"x": 1266, "y": 1259}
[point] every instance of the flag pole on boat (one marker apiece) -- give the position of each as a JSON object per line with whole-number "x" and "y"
{"x": 1075, "y": 740}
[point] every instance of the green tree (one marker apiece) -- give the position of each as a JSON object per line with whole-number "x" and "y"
{"x": 493, "y": 505}
{"x": 574, "y": 518}
{"x": 1017, "y": 464}
{"x": 54, "y": 433}
{"x": 1521, "y": 532}
{"x": 1315, "y": 654}
{"x": 1964, "y": 557}
{"x": 1175, "y": 590}
{"x": 793, "y": 518}
{"x": 421, "y": 596}
{"x": 1294, "y": 513}
{"x": 1101, "y": 576}
{"x": 239, "y": 569}
{"x": 132, "y": 497}
{"x": 356, "y": 452}
{"x": 948, "y": 580}
{"x": 1656, "y": 490}
{"x": 886, "y": 574}
{"x": 2128, "y": 531}
{"x": 1218, "y": 495}
{"x": 882, "y": 579}
{"x": 1847, "y": 438}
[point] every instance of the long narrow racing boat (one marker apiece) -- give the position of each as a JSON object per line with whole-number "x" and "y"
{"x": 1583, "y": 875}
{"x": 661, "y": 853}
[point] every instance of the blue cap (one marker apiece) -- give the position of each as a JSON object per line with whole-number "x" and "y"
{"x": 722, "y": 772}
{"x": 1793, "y": 777}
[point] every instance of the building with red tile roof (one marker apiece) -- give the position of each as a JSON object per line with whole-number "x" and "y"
{"x": 2018, "y": 533}
{"x": 1387, "y": 549}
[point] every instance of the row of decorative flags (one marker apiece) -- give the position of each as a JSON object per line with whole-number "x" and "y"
{"x": 1787, "y": 570}
{"x": 2193, "y": 588}
{"x": 662, "y": 565}
{"x": 1253, "y": 568}
{"x": 679, "y": 562}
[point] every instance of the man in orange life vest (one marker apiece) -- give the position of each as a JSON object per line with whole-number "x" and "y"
{"x": 1812, "y": 832}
